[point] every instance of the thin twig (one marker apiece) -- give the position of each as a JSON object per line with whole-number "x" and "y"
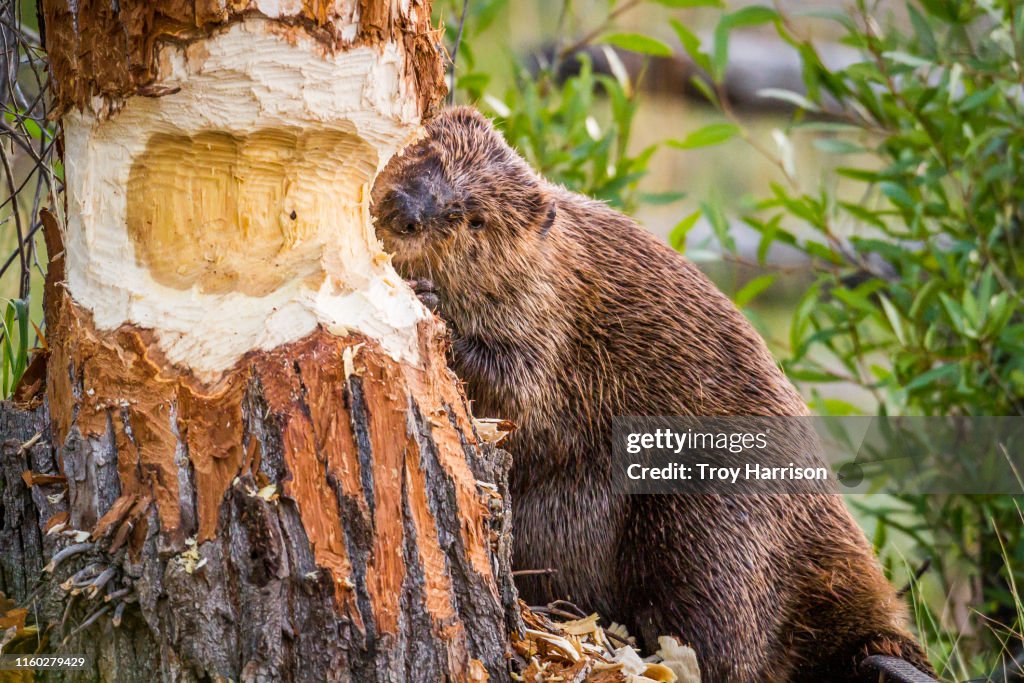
{"x": 25, "y": 270}
{"x": 554, "y": 611}
{"x": 119, "y": 593}
{"x": 87, "y": 623}
{"x": 589, "y": 37}
{"x": 28, "y": 35}
{"x": 17, "y": 137}
{"x": 455, "y": 49}
{"x": 119, "y": 613}
{"x": 14, "y": 254}
{"x": 918, "y": 573}
{"x": 563, "y": 16}
{"x": 558, "y": 604}
{"x": 616, "y": 637}
{"x": 66, "y": 553}
{"x": 535, "y": 572}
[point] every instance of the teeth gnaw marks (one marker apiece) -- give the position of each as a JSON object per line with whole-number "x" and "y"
{"x": 232, "y": 213}
{"x": 244, "y": 213}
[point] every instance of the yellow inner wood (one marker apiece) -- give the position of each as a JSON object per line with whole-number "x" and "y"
{"x": 244, "y": 213}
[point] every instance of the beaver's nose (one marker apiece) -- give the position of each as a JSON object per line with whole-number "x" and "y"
{"x": 413, "y": 208}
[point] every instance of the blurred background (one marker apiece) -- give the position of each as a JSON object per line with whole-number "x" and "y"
{"x": 847, "y": 171}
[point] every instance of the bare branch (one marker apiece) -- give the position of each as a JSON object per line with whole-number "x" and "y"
{"x": 455, "y": 49}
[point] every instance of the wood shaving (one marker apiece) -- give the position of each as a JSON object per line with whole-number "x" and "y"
{"x": 493, "y": 431}
{"x": 579, "y": 651}
{"x": 190, "y": 560}
{"x": 680, "y": 658}
{"x": 268, "y": 493}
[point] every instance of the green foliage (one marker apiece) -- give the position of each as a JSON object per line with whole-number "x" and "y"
{"x": 637, "y": 42}
{"x": 748, "y": 16}
{"x": 557, "y": 128}
{"x": 917, "y": 254}
{"x": 711, "y": 134}
{"x": 30, "y": 175}
{"x": 14, "y": 345}
{"x": 576, "y": 128}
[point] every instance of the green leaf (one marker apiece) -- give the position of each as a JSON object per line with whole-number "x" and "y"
{"x": 474, "y": 82}
{"x": 7, "y": 352}
{"x": 661, "y": 198}
{"x": 907, "y": 59}
{"x": 940, "y": 8}
{"x": 794, "y": 98}
{"x": 954, "y": 312}
{"x": 31, "y": 127}
{"x": 854, "y": 300}
{"x": 813, "y": 376}
{"x": 677, "y": 238}
{"x": 924, "y": 297}
{"x": 701, "y": 84}
{"x": 835, "y": 406}
{"x": 638, "y": 42}
{"x": 837, "y": 146}
{"x": 711, "y": 134}
{"x": 933, "y": 375}
{"x": 753, "y": 15}
{"x": 976, "y": 100}
{"x": 769, "y": 234}
{"x": 863, "y": 214}
{"x": 691, "y": 43}
{"x": 21, "y": 360}
{"x": 863, "y": 175}
{"x": 826, "y": 127}
{"x": 748, "y": 16}
{"x": 922, "y": 30}
{"x": 801, "y": 321}
{"x": 893, "y": 316}
{"x": 897, "y": 194}
{"x": 750, "y": 290}
{"x": 835, "y": 15}
{"x": 719, "y": 223}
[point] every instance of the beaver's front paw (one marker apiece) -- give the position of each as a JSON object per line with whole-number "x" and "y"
{"x": 426, "y": 292}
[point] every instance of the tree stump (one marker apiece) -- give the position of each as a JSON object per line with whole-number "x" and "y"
{"x": 252, "y": 462}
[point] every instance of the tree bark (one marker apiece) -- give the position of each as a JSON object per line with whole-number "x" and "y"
{"x": 252, "y": 462}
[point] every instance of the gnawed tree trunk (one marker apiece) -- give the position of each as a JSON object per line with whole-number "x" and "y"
{"x": 270, "y": 473}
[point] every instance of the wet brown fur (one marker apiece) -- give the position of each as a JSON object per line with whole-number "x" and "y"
{"x": 565, "y": 313}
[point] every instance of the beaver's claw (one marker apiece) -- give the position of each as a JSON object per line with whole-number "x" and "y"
{"x": 426, "y": 292}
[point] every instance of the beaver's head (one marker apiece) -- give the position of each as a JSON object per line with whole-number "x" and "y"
{"x": 458, "y": 200}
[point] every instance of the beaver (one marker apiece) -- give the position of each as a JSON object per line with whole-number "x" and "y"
{"x": 564, "y": 313}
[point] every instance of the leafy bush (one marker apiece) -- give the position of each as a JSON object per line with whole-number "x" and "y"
{"x": 919, "y": 276}
{"x": 31, "y": 176}
{"x": 575, "y": 129}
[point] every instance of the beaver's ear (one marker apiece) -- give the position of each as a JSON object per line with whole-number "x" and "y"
{"x": 461, "y": 117}
{"x": 472, "y": 114}
{"x": 549, "y": 217}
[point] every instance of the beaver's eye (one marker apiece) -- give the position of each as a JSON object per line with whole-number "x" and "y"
{"x": 476, "y": 223}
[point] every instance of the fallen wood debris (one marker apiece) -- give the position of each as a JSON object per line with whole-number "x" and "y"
{"x": 581, "y": 650}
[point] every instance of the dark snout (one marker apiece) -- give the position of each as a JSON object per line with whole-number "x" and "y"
{"x": 411, "y": 209}
{"x": 419, "y": 204}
